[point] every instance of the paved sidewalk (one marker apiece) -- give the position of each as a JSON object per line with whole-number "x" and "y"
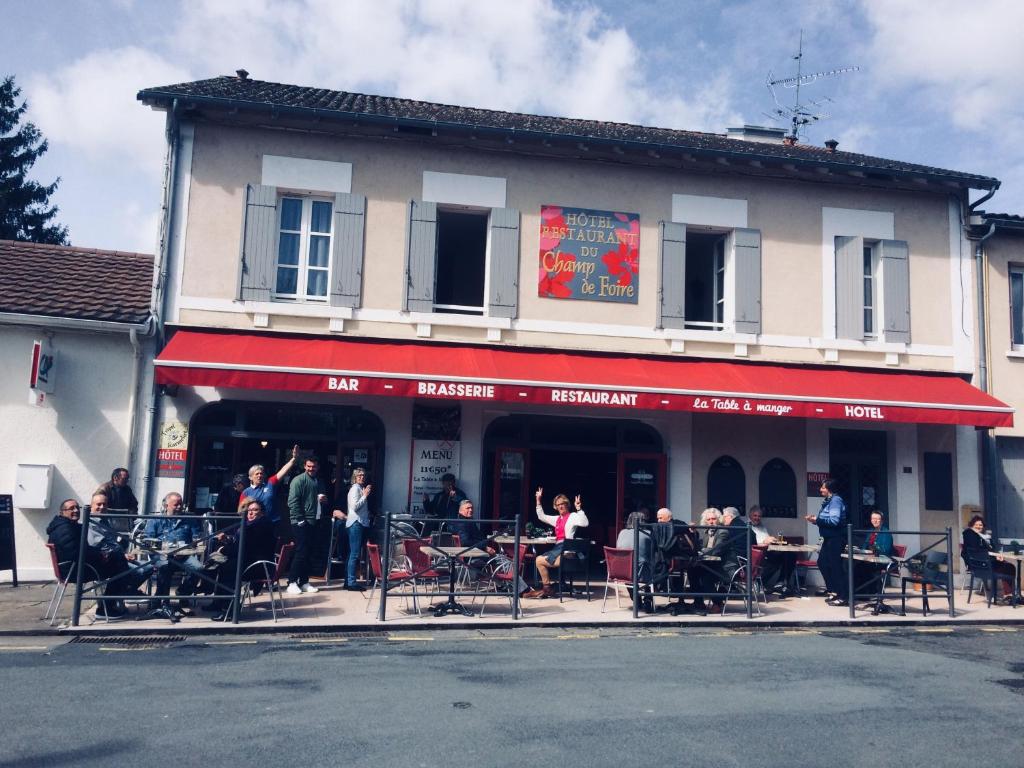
{"x": 333, "y": 609}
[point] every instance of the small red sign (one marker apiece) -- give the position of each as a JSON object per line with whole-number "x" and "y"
{"x": 814, "y": 481}
{"x": 170, "y": 462}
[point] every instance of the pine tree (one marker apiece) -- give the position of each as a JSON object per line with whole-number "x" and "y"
{"x": 25, "y": 212}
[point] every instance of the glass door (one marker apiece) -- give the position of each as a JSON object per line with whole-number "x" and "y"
{"x": 511, "y": 489}
{"x": 641, "y": 484}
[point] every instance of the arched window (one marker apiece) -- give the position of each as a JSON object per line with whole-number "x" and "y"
{"x": 776, "y": 487}
{"x": 727, "y": 485}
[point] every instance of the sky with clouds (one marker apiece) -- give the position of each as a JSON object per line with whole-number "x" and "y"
{"x": 937, "y": 84}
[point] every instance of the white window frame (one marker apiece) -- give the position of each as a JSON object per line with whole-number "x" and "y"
{"x": 1015, "y": 271}
{"x": 870, "y": 273}
{"x": 305, "y": 235}
{"x": 468, "y": 309}
{"x": 722, "y": 290}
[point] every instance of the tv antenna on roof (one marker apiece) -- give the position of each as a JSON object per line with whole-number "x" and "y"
{"x": 801, "y": 113}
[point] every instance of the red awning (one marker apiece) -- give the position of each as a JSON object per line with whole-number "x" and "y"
{"x": 442, "y": 371}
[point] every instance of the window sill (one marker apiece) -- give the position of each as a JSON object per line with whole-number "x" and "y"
{"x": 298, "y": 309}
{"x": 459, "y": 320}
{"x": 1018, "y": 353}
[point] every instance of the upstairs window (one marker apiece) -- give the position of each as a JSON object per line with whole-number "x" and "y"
{"x": 710, "y": 281}
{"x": 705, "y": 281}
{"x": 1017, "y": 306}
{"x": 461, "y": 261}
{"x": 870, "y": 294}
{"x": 304, "y": 248}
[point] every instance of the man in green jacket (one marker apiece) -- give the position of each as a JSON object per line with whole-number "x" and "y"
{"x": 306, "y": 494}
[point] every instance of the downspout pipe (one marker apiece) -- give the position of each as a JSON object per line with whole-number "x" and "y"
{"x": 157, "y": 303}
{"x": 986, "y": 441}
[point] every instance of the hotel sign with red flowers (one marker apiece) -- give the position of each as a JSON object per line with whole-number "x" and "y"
{"x": 588, "y": 254}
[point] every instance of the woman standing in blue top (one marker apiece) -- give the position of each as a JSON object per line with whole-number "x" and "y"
{"x": 831, "y": 522}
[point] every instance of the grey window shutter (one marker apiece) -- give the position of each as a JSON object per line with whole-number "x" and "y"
{"x": 259, "y": 243}
{"x": 672, "y": 294}
{"x": 895, "y": 290}
{"x": 850, "y": 287}
{"x": 503, "y": 292}
{"x": 420, "y": 256}
{"x": 747, "y": 276}
{"x": 347, "y": 251}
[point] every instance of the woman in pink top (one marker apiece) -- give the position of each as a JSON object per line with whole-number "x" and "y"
{"x": 565, "y": 524}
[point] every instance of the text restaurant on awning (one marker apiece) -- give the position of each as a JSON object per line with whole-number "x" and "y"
{"x": 460, "y": 372}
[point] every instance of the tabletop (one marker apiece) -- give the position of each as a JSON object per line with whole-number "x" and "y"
{"x": 454, "y": 552}
{"x": 792, "y": 548}
{"x": 525, "y": 540}
{"x": 1008, "y": 556}
{"x": 866, "y": 557}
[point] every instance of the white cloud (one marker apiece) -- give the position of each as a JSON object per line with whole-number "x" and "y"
{"x": 90, "y": 106}
{"x": 965, "y": 58}
{"x": 532, "y": 55}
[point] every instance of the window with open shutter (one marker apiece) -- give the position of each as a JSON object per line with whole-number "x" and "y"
{"x": 259, "y": 243}
{"x": 746, "y": 274}
{"x": 850, "y": 286}
{"x": 895, "y": 268}
{"x": 347, "y": 251}
{"x": 672, "y": 294}
{"x": 420, "y": 256}
{"x": 503, "y": 288}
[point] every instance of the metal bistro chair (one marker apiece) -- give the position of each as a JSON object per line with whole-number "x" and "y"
{"x": 401, "y": 571}
{"x": 272, "y": 572}
{"x": 931, "y": 578}
{"x": 61, "y": 587}
{"x": 619, "y": 564}
{"x": 738, "y": 582}
{"x": 500, "y": 578}
{"x": 575, "y": 561}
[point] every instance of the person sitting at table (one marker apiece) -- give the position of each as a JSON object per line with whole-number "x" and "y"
{"x": 260, "y": 539}
{"x": 65, "y": 533}
{"x": 778, "y": 568}
{"x": 878, "y": 541}
{"x": 566, "y": 524}
{"x": 107, "y": 539}
{"x": 444, "y": 504}
{"x": 625, "y": 538}
{"x": 173, "y": 532}
{"x": 977, "y": 545}
{"x": 720, "y": 557}
{"x": 470, "y": 535}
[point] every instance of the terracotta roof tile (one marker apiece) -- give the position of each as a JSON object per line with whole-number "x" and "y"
{"x": 318, "y": 103}
{"x": 78, "y": 283}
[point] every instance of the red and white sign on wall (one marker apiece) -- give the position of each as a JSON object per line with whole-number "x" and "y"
{"x": 43, "y": 373}
{"x": 172, "y": 455}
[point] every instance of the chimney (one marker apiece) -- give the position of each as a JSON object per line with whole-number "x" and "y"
{"x": 831, "y": 145}
{"x": 765, "y": 134}
{"x": 243, "y": 74}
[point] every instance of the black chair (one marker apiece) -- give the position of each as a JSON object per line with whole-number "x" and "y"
{"x": 982, "y": 571}
{"x": 932, "y": 578}
{"x": 575, "y": 562}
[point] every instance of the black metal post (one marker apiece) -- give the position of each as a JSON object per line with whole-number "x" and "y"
{"x": 750, "y": 575}
{"x": 386, "y": 568}
{"x": 949, "y": 570}
{"x": 515, "y": 567}
{"x": 636, "y": 572}
{"x": 849, "y": 570}
{"x": 83, "y": 541}
{"x": 238, "y": 573}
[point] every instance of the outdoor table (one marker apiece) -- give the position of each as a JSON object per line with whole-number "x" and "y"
{"x": 451, "y": 554}
{"x": 804, "y": 548}
{"x": 886, "y": 564}
{"x": 1019, "y": 560}
{"x": 525, "y": 540}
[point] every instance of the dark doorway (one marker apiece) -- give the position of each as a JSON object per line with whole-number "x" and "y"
{"x": 857, "y": 460}
{"x": 591, "y": 475}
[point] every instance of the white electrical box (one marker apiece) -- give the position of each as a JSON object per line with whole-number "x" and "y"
{"x": 32, "y": 486}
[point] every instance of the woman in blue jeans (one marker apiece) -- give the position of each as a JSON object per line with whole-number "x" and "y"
{"x": 357, "y": 523}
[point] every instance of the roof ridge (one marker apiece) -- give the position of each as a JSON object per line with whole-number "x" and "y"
{"x": 75, "y": 248}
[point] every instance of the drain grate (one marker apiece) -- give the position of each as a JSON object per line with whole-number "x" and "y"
{"x": 129, "y": 640}
{"x": 332, "y": 635}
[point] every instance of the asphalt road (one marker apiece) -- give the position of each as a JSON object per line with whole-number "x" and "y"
{"x": 521, "y": 698}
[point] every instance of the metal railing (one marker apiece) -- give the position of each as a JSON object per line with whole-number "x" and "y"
{"x": 942, "y": 537}
{"x": 387, "y": 584}
{"x": 747, "y": 594}
{"x": 93, "y": 591}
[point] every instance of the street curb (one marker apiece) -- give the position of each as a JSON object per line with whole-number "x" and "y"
{"x": 231, "y": 629}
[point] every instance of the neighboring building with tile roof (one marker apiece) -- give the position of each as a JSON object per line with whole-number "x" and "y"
{"x": 627, "y": 312}
{"x": 75, "y": 283}
{"x": 88, "y": 311}
{"x": 1000, "y": 244}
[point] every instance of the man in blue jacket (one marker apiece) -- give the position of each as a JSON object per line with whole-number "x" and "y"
{"x": 831, "y": 522}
